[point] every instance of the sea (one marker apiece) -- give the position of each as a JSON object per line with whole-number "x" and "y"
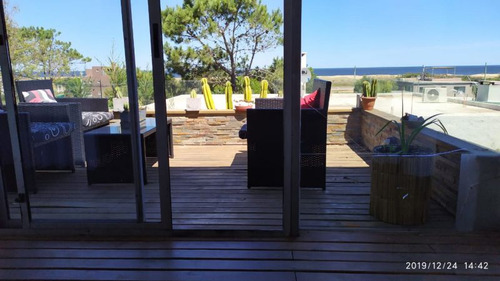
{"x": 455, "y": 70}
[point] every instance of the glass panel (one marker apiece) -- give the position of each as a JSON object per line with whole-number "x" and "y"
{"x": 455, "y": 82}
{"x": 81, "y": 156}
{"x": 7, "y": 174}
{"x": 467, "y": 105}
{"x": 209, "y": 174}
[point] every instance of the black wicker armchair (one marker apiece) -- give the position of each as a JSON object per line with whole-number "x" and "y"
{"x": 85, "y": 113}
{"x": 265, "y": 143}
{"x": 45, "y": 142}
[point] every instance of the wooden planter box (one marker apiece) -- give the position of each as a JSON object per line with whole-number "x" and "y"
{"x": 400, "y": 188}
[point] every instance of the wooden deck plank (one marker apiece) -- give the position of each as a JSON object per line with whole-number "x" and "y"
{"x": 143, "y": 275}
{"x": 308, "y": 276}
{"x": 493, "y": 259}
{"x": 332, "y": 255}
{"x": 139, "y": 263}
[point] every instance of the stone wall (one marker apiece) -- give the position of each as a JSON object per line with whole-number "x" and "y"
{"x": 446, "y": 167}
{"x": 221, "y": 127}
{"x": 344, "y": 126}
{"x": 207, "y": 127}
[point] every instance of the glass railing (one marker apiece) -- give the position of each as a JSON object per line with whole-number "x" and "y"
{"x": 469, "y": 106}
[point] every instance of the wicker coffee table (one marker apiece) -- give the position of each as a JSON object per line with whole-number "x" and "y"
{"x": 109, "y": 152}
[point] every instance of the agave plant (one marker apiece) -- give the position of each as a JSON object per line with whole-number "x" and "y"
{"x": 406, "y": 141}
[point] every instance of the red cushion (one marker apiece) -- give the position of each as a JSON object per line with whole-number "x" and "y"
{"x": 310, "y": 101}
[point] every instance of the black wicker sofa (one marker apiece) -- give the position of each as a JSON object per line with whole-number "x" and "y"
{"x": 85, "y": 113}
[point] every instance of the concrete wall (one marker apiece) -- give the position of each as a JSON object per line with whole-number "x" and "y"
{"x": 488, "y": 93}
{"x": 446, "y": 167}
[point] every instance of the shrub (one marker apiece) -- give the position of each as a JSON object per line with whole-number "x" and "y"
{"x": 409, "y": 75}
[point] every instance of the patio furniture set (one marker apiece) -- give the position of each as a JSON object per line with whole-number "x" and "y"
{"x": 58, "y": 133}
{"x": 53, "y": 132}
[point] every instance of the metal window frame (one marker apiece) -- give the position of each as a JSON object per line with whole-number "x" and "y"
{"x": 291, "y": 116}
{"x": 291, "y": 129}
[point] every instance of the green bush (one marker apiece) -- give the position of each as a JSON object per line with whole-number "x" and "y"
{"x": 309, "y": 84}
{"x": 174, "y": 87}
{"x": 383, "y": 86}
{"x": 481, "y": 78}
{"x": 409, "y": 75}
{"x": 240, "y": 84}
{"x": 386, "y": 86}
{"x": 74, "y": 87}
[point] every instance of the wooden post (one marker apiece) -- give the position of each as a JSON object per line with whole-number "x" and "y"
{"x": 291, "y": 116}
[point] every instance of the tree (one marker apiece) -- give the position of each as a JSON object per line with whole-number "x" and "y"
{"x": 39, "y": 52}
{"x": 117, "y": 76}
{"x": 75, "y": 87}
{"x": 211, "y": 35}
{"x": 12, "y": 33}
{"x": 145, "y": 89}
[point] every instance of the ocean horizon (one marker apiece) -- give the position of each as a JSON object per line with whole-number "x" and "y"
{"x": 398, "y": 70}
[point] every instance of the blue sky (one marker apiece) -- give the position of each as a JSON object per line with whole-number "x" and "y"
{"x": 336, "y": 33}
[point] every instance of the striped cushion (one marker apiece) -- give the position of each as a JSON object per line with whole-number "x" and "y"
{"x": 37, "y": 96}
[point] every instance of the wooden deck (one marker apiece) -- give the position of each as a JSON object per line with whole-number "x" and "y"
{"x": 209, "y": 191}
{"x": 339, "y": 240}
{"x": 342, "y": 256}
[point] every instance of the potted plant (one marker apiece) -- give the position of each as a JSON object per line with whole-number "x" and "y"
{"x": 401, "y": 175}
{"x": 193, "y": 103}
{"x": 369, "y": 94}
{"x": 125, "y": 117}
